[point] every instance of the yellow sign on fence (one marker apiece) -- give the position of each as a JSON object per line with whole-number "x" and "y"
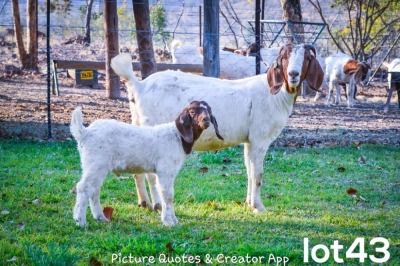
{"x": 87, "y": 75}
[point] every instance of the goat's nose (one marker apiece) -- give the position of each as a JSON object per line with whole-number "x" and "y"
{"x": 294, "y": 73}
{"x": 206, "y": 120}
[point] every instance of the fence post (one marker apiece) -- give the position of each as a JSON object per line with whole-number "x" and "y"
{"x": 111, "y": 30}
{"x": 211, "y": 38}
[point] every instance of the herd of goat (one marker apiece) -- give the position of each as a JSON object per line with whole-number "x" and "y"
{"x": 172, "y": 112}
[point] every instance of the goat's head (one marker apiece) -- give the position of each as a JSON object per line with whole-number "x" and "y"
{"x": 192, "y": 121}
{"x": 295, "y": 63}
{"x": 361, "y": 70}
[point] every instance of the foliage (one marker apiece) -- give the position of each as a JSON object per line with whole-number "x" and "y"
{"x": 305, "y": 192}
{"x": 61, "y": 7}
{"x": 158, "y": 22}
{"x": 370, "y": 24}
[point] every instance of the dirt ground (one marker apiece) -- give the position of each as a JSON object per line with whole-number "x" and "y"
{"x": 23, "y": 114}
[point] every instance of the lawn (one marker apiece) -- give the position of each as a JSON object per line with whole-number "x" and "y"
{"x": 306, "y": 192}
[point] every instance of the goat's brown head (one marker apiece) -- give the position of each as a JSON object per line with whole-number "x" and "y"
{"x": 295, "y": 63}
{"x": 192, "y": 121}
{"x": 361, "y": 70}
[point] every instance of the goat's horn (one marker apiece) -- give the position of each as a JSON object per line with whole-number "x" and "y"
{"x": 312, "y": 48}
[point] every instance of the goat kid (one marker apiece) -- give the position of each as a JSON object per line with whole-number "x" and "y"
{"x": 110, "y": 146}
{"x": 252, "y": 111}
{"x": 341, "y": 68}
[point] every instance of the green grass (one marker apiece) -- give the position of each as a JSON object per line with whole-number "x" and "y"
{"x": 304, "y": 192}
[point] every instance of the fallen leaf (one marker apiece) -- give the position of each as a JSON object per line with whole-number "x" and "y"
{"x": 108, "y": 211}
{"x": 361, "y": 160}
{"x": 362, "y": 198}
{"x": 207, "y": 238}
{"x": 352, "y": 191}
{"x": 383, "y": 203}
{"x": 170, "y": 247}
{"x": 341, "y": 169}
{"x": 227, "y": 160}
{"x": 20, "y": 226}
{"x": 269, "y": 196}
{"x": 213, "y": 204}
{"x": 13, "y": 259}
{"x": 36, "y": 202}
{"x": 5, "y": 212}
{"x": 203, "y": 170}
{"x": 94, "y": 262}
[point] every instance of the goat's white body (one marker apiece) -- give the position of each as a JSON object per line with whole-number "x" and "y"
{"x": 394, "y": 66}
{"x": 246, "y": 110}
{"x": 232, "y": 65}
{"x": 185, "y": 54}
{"x": 109, "y": 146}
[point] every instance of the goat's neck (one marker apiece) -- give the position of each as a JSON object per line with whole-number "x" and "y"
{"x": 284, "y": 101}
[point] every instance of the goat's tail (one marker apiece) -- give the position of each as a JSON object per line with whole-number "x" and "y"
{"x": 77, "y": 128}
{"x": 122, "y": 65}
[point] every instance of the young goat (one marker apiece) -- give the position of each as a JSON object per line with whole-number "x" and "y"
{"x": 252, "y": 111}
{"x": 110, "y": 146}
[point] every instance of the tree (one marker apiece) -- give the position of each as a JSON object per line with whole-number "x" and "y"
{"x": 89, "y": 4}
{"x": 292, "y": 13}
{"x": 147, "y": 60}
{"x": 369, "y": 24}
{"x": 112, "y": 47}
{"x": 29, "y": 58}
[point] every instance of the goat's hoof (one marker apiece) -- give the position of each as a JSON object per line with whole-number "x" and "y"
{"x": 170, "y": 221}
{"x": 157, "y": 207}
{"x": 259, "y": 209}
{"x": 102, "y": 219}
{"x": 145, "y": 204}
{"x": 80, "y": 222}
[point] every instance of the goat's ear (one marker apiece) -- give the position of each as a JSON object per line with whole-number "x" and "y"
{"x": 361, "y": 69}
{"x": 184, "y": 125}
{"x": 214, "y": 122}
{"x": 315, "y": 74}
{"x": 275, "y": 77}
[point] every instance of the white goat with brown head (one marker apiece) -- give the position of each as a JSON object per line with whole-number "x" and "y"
{"x": 252, "y": 111}
{"x": 109, "y": 146}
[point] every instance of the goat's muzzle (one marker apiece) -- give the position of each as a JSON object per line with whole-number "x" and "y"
{"x": 205, "y": 123}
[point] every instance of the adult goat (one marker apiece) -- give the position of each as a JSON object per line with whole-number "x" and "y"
{"x": 252, "y": 111}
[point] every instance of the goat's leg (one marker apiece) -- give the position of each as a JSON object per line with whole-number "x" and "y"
{"x": 329, "y": 94}
{"x": 95, "y": 205}
{"x": 257, "y": 154}
{"x": 86, "y": 189}
{"x": 143, "y": 197}
{"x": 337, "y": 93}
{"x": 165, "y": 186}
{"x": 350, "y": 94}
{"x": 391, "y": 89}
{"x": 247, "y": 164}
{"x": 152, "y": 180}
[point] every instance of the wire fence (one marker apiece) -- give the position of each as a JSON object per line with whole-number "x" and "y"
{"x": 171, "y": 20}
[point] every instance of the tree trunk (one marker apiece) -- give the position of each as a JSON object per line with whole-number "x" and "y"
{"x": 32, "y": 35}
{"x": 141, "y": 13}
{"x": 211, "y": 39}
{"x": 87, "y": 39}
{"x": 292, "y": 12}
{"x": 18, "y": 31}
{"x": 111, "y": 29}
{"x": 29, "y": 60}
